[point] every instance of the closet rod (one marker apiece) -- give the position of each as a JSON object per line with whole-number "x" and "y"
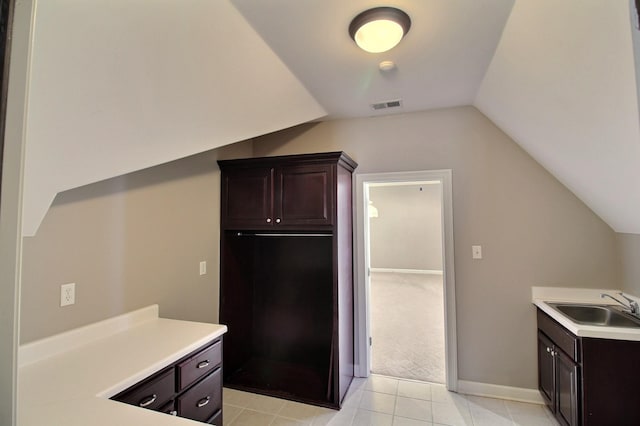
{"x": 250, "y": 234}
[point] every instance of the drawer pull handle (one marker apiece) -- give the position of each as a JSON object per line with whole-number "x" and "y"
{"x": 203, "y": 364}
{"x": 203, "y": 402}
{"x": 278, "y": 220}
{"x": 149, "y": 400}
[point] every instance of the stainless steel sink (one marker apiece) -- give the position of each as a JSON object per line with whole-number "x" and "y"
{"x": 601, "y": 315}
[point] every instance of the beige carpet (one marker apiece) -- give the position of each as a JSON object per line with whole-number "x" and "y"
{"x": 407, "y": 326}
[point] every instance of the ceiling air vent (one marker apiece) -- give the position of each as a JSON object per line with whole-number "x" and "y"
{"x": 388, "y": 104}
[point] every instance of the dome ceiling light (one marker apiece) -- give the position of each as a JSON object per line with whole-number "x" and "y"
{"x": 379, "y": 29}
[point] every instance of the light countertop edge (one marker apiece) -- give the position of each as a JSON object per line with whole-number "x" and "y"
{"x": 541, "y": 295}
{"x": 72, "y": 387}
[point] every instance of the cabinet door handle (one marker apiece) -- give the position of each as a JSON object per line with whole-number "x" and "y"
{"x": 268, "y": 220}
{"x": 203, "y": 402}
{"x": 548, "y": 349}
{"x": 149, "y": 400}
{"x": 203, "y": 364}
{"x": 278, "y": 220}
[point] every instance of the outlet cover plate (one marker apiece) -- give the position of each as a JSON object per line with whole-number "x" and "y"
{"x": 67, "y": 294}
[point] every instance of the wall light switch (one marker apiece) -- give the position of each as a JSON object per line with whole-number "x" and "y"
{"x": 476, "y": 252}
{"x": 203, "y": 267}
{"x": 67, "y": 294}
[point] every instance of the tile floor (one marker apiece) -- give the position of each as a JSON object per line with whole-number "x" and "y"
{"x": 385, "y": 401}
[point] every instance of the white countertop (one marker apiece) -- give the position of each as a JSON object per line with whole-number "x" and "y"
{"x": 541, "y": 295}
{"x": 67, "y": 379}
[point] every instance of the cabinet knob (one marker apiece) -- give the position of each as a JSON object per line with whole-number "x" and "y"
{"x": 268, "y": 220}
{"x": 548, "y": 349}
{"x": 278, "y": 220}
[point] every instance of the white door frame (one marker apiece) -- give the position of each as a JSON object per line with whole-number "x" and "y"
{"x": 362, "y": 319}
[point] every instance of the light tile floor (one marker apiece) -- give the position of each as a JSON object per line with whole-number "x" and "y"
{"x": 385, "y": 401}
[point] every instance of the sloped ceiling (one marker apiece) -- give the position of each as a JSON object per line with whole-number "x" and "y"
{"x": 440, "y": 63}
{"x": 562, "y": 84}
{"x": 557, "y": 76}
{"x": 121, "y": 85}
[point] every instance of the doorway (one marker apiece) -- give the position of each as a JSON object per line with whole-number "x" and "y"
{"x": 405, "y": 280}
{"x": 405, "y": 296}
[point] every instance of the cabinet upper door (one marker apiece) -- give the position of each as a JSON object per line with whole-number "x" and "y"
{"x": 305, "y": 196}
{"x": 247, "y": 198}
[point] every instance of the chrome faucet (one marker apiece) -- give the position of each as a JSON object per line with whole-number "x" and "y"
{"x": 631, "y": 305}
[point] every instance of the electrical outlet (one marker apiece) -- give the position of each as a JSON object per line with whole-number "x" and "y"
{"x": 476, "y": 252}
{"x": 67, "y": 294}
{"x": 203, "y": 267}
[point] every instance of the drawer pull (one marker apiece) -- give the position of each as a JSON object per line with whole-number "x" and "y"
{"x": 203, "y": 402}
{"x": 203, "y": 364}
{"x": 149, "y": 400}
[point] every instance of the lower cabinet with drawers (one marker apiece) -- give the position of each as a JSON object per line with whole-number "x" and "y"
{"x": 190, "y": 387}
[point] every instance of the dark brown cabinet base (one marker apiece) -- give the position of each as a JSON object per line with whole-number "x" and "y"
{"x": 587, "y": 381}
{"x": 190, "y": 387}
{"x": 286, "y": 280}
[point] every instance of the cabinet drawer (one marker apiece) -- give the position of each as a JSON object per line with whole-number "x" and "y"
{"x": 569, "y": 343}
{"x": 203, "y": 400}
{"x": 199, "y": 365}
{"x": 153, "y": 393}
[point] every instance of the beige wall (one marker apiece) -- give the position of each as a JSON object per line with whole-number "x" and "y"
{"x": 137, "y": 239}
{"x": 407, "y": 234}
{"x": 532, "y": 229}
{"x": 128, "y": 242}
{"x": 629, "y": 246}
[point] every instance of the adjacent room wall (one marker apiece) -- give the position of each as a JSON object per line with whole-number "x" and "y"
{"x": 629, "y": 246}
{"x": 128, "y": 242}
{"x": 407, "y": 234}
{"x": 533, "y": 230}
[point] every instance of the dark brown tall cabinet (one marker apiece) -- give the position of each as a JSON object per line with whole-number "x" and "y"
{"x": 286, "y": 276}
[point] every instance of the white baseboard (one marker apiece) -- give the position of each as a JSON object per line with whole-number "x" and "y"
{"x": 500, "y": 392}
{"x": 408, "y": 271}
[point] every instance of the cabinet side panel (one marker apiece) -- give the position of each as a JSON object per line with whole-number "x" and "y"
{"x": 610, "y": 372}
{"x": 345, "y": 365}
{"x": 236, "y": 293}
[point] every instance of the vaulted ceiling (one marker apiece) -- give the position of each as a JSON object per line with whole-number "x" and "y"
{"x": 557, "y": 76}
{"x": 127, "y": 84}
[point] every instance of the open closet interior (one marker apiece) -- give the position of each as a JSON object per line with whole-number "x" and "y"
{"x": 286, "y": 285}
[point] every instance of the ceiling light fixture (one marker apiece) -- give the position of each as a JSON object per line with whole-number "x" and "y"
{"x": 379, "y": 29}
